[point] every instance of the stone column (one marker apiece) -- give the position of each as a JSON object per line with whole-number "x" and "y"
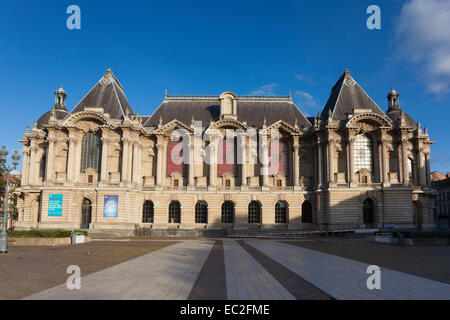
{"x": 104, "y": 169}
{"x": 130, "y": 160}
{"x": 422, "y": 171}
{"x": 134, "y": 175}
{"x": 159, "y": 160}
{"x": 139, "y": 164}
{"x": 71, "y": 158}
{"x": 125, "y": 151}
{"x": 50, "y": 158}
{"x": 351, "y": 165}
{"x": 405, "y": 170}
{"x": 164, "y": 162}
{"x": 244, "y": 162}
{"x": 320, "y": 165}
{"x": 265, "y": 162}
{"x": 427, "y": 161}
{"x": 191, "y": 162}
{"x": 296, "y": 166}
{"x": 213, "y": 162}
{"x": 331, "y": 180}
{"x": 78, "y": 148}
{"x": 384, "y": 163}
{"x": 25, "y": 166}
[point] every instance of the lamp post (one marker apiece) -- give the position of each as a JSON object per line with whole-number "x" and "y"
{"x": 15, "y": 162}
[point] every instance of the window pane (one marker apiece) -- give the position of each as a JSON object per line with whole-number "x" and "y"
{"x": 362, "y": 153}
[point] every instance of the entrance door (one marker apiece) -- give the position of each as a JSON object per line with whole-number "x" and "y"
{"x": 86, "y": 214}
{"x": 418, "y": 215}
{"x": 369, "y": 213}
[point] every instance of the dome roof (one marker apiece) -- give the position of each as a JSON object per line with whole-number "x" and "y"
{"x": 60, "y": 114}
{"x": 396, "y": 114}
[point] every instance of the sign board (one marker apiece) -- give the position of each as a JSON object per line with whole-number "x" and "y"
{"x": 111, "y": 206}
{"x": 55, "y": 203}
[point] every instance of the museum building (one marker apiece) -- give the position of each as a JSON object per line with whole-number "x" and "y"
{"x": 103, "y": 167}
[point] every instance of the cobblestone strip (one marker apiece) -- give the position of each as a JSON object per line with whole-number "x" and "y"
{"x": 246, "y": 279}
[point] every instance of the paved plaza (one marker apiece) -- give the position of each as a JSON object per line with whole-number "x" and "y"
{"x": 246, "y": 269}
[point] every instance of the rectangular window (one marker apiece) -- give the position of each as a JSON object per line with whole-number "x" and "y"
{"x": 175, "y": 183}
{"x": 227, "y": 183}
{"x": 278, "y": 183}
{"x": 90, "y": 178}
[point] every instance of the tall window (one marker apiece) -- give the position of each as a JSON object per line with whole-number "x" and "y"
{"x": 147, "y": 212}
{"x": 254, "y": 212}
{"x": 362, "y": 152}
{"x": 174, "y": 212}
{"x": 279, "y": 158}
{"x": 227, "y": 212}
{"x": 307, "y": 216}
{"x": 281, "y": 212}
{"x": 201, "y": 212}
{"x": 227, "y": 158}
{"x": 91, "y": 154}
{"x": 410, "y": 168}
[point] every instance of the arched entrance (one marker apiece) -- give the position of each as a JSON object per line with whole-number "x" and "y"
{"x": 369, "y": 213}
{"x": 86, "y": 213}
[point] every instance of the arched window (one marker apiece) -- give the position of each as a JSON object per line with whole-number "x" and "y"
{"x": 147, "y": 212}
{"x": 174, "y": 212}
{"x": 307, "y": 216}
{"x": 362, "y": 153}
{"x": 281, "y": 212}
{"x": 227, "y": 212}
{"x": 201, "y": 212}
{"x": 254, "y": 212}
{"x": 91, "y": 154}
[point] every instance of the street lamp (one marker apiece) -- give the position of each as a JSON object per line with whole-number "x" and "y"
{"x": 15, "y": 161}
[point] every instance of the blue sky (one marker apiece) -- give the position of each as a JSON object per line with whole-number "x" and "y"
{"x": 207, "y": 47}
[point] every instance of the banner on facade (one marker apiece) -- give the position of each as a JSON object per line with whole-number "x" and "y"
{"x": 111, "y": 206}
{"x": 55, "y": 203}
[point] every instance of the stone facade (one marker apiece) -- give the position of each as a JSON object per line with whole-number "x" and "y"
{"x": 351, "y": 167}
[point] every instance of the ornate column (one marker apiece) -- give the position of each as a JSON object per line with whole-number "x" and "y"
{"x": 191, "y": 161}
{"x": 331, "y": 180}
{"x": 104, "y": 169}
{"x": 125, "y": 151}
{"x": 25, "y": 166}
{"x": 78, "y": 148}
{"x": 405, "y": 170}
{"x": 384, "y": 163}
{"x": 422, "y": 171}
{"x": 130, "y": 160}
{"x": 71, "y": 157}
{"x": 296, "y": 166}
{"x": 265, "y": 162}
{"x": 139, "y": 164}
{"x": 213, "y": 162}
{"x": 320, "y": 164}
{"x": 159, "y": 160}
{"x": 50, "y": 157}
{"x": 351, "y": 165}
{"x": 244, "y": 162}
{"x": 134, "y": 176}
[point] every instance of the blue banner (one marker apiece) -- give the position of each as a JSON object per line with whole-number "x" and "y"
{"x": 55, "y": 203}
{"x": 111, "y": 206}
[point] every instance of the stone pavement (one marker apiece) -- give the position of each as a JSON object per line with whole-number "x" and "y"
{"x": 168, "y": 273}
{"x": 252, "y": 272}
{"x": 346, "y": 279}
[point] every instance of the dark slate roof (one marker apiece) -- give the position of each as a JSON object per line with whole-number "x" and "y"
{"x": 347, "y": 95}
{"x": 395, "y": 115}
{"x": 107, "y": 93}
{"x": 251, "y": 110}
{"x": 59, "y": 113}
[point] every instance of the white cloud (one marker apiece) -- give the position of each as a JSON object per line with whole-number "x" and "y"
{"x": 422, "y": 36}
{"x": 305, "y": 99}
{"x": 304, "y": 78}
{"x": 266, "y": 90}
